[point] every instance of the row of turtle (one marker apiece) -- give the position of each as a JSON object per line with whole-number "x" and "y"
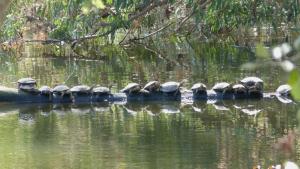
{"x": 247, "y": 85}
{"x": 29, "y": 85}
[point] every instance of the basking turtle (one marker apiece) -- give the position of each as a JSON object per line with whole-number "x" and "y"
{"x": 46, "y": 91}
{"x": 152, "y": 86}
{"x": 254, "y": 86}
{"x": 170, "y": 87}
{"x": 222, "y": 87}
{"x": 26, "y": 84}
{"x": 199, "y": 88}
{"x": 284, "y": 90}
{"x": 61, "y": 90}
{"x": 131, "y": 88}
{"x": 250, "y": 82}
{"x": 80, "y": 89}
{"x": 239, "y": 89}
{"x": 99, "y": 91}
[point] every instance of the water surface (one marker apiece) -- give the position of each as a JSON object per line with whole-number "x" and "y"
{"x": 228, "y": 134}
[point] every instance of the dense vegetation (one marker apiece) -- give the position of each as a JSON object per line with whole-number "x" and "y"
{"x": 130, "y": 21}
{"x": 151, "y": 23}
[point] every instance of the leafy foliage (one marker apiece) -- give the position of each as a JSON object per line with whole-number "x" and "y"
{"x": 69, "y": 20}
{"x": 294, "y": 81}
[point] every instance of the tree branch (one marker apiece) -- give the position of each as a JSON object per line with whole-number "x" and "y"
{"x": 153, "y": 33}
{"x": 148, "y": 8}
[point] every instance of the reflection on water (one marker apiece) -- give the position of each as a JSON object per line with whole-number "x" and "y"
{"x": 208, "y": 63}
{"x": 148, "y": 135}
{"x": 226, "y": 134}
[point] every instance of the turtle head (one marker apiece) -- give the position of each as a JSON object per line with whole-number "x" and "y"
{"x": 91, "y": 88}
{"x": 259, "y": 86}
{"x": 202, "y": 88}
{"x": 239, "y": 88}
{"x": 257, "y": 89}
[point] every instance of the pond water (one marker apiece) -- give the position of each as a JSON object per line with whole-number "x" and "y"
{"x": 228, "y": 134}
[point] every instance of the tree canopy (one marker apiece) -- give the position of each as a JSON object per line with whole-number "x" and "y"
{"x": 122, "y": 21}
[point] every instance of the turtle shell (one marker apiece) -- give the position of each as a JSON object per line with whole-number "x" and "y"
{"x": 284, "y": 89}
{"x": 220, "y": 87}
{"x": 152, "y": 86}
{"x": 239, "y": 88}
{"x": 45, "y": 90}
{"x": 198, "y": 86}
{"x": 169, "y": 87}
{"x": 131, "y": 87}
{"x": 251, "y": 81}
{"x": 61, "y": 88}
{"x": 80, "y": 88}
{"x": 26, "y": 84}
{"x": 27, "y": 80}
{"x": 101, "y": 90}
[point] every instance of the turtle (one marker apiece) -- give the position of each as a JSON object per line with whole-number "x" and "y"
{"x": 61, "y": 90}
{"x": 152, "y": 86}
{"x": 170, "y": 87}
{"x": 250, "y": 82}
{"x": 254, "y": 85}
{"x": 222, "y": 87}
{"x": 131, "y": 88}
{"x": 27, "y": 84}
{"x": 239, "y": 89}
{"x": 80, "y": 89}
{"x": 284, "y": 90}
{"x": 101, "y": 91}
{"x": 198, "y": 88}
{"x": 46, "y": 91}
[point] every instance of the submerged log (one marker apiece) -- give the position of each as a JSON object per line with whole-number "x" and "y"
{"x": 18, "y": 96}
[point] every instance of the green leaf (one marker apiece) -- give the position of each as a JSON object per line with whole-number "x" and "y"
{"x": 98, "y": 3}
{"x": 109, "y": 2}
{"x": 261, "y": 51}
{"x": 294, "y": 81}
{"x": 85, "y": 9}
{"x": 173, "y": 39}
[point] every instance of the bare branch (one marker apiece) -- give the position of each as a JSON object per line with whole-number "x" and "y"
{"x": 153, "y": 33}
{"x": 148, "y": 8}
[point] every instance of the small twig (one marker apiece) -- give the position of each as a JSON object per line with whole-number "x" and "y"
{"x": 147, "y": 9}
{"x": 202, "y": 6}
{"x": 151, "y": 50}
{"x": 184, "y": 20}
{"x": 43, "y": 41}
{"x": 153, "y": 33}
{"x": 128, "y": 32}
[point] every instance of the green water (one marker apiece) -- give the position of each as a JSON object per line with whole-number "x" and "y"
{"x": 153, "y": 135}
{"x": 148, "y": 135}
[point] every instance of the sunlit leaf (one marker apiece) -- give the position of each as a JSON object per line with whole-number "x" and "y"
{"x": 297, "y": 43}
{"x": 290, "y": 165}
{"x": 286, "y": 48}
{"x": 277, "y": 53}
{"x": 287, "y": 65}
{"x": 98, "y": 3}
{"x": 109, "y": 2}
{"x": 261, "y": 51}
{"x": 85, "y": 10}
{"x": 294, "y": 81}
